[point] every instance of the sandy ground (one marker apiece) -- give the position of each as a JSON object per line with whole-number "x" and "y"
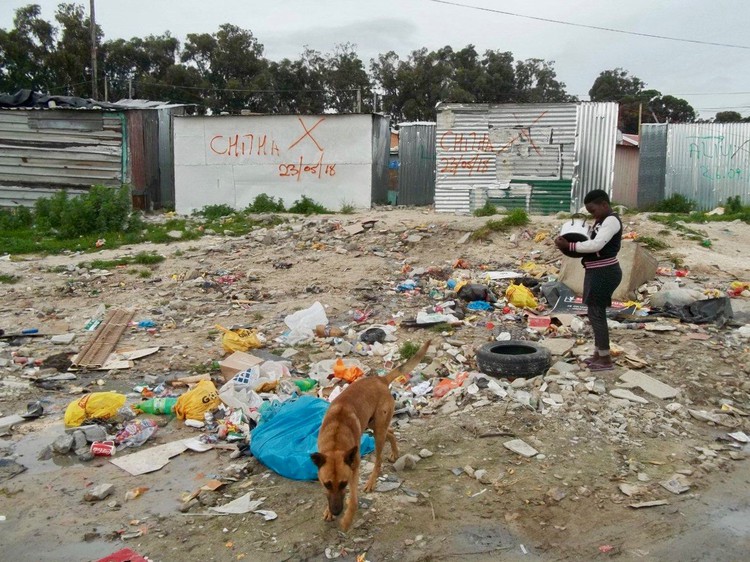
{"x": 566, "y": 504}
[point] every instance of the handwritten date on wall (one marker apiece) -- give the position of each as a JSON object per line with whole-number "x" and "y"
{"x": 718, "y": 157}
{"x": 260, "y": 145}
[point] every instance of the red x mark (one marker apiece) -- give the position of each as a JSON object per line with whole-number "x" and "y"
{"x": 307, "y": 133}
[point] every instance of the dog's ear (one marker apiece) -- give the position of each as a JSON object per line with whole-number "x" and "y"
{"x": 351, "y": 455}
{"x": 319, "y": 459}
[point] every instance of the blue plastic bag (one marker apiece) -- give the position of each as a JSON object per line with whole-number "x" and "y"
{"x": 285, "y": 442}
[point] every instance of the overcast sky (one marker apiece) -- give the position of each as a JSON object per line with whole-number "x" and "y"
{"x": 711, "y": 78}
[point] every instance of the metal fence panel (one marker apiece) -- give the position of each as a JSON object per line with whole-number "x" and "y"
{"x": 595, "y": 149}
{"x": 708, "y": 162}
{"x": 652, "y": 164}
{"x": 416, "y": 171}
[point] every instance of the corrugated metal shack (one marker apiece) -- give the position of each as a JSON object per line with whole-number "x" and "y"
{"x": 705, "y": 162}
{"x": 540, "y": 157}
{"x": 48, "y": 144}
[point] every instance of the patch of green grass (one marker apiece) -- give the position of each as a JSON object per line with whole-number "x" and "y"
{"x": 306, "y": 206}
{"x": 266, "y": 204}
{"x": 675, "y": 222}
{"x": 213, "y": 212}
{"x": 145, "y": 273}
{"x": 347, "y": 209}
{"x": 733, "y": 206}
{"x": 486, "y": 211}
{"x": 442, "y": 327}
{"x": 9, "y": 279}
{"x": 145, "y": 258}
{"x": 141, "y": 258}
{"x": 653, "y": 243}
{"x": 408, "y": 349}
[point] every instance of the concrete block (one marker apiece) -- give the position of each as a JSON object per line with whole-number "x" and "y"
{"x": 638, "y": 266}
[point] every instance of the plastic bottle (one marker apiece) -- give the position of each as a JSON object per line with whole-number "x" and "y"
{"x": 157, "y": 405}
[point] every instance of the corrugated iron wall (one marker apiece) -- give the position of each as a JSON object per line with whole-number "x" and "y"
{"x": 416, "y": 172}
{"x": 708, "y": 162}
{"x": 652, "y": 164}
{"x": 625, "y": 185}
{"x": 595, "y": 149}
{"x": 381, "y": 151}
{"x": 143, "y": 142}
{"x": 43, "y": 151}
{"x": 482, "y": 148}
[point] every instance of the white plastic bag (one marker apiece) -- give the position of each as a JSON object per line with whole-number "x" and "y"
{"x": 302, "y": 323}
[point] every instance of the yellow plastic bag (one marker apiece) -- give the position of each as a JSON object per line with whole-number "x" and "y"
{"x": 520, "y": 296}
{"x": 197, "y": 401}
{"x": 239, "y": 340}
{"x": 97, "y": 405}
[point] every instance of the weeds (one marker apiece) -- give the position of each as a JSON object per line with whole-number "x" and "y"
{"x": 307, "y": 206}
{"x": 142, "y": 258}
{"x": 676, "y": 260}
{"x": 677, "y": 203}
{"x": 101, "y": 210}
{"x": 653, "y": 243}
{"x": 213, "y": 212}
{"x": 9, "y": 279}
{"x": 266, "y": 204}
{"x": 408, "y": 349}
{"x": 517, "y": 217}
{"x": 486, "y": 211}
{"x": 347, "y": 209}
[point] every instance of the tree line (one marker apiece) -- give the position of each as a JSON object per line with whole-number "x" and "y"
{"x": 226, "y": 72}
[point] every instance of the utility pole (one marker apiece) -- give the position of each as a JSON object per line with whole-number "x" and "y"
{"x": 640, "y": 117}
{"x": 359, "y": 100}
{"x": 92, "y": 22}
{"x": 106, "y": 91}
{"x": 130, "y": 88}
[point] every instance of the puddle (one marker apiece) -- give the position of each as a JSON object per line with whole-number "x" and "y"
{"x": 28, "y": 447}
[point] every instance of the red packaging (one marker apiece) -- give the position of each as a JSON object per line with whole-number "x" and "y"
{"x": 103, "y": 448}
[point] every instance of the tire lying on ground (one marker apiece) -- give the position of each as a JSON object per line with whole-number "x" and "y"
{"x": 513, "y": 359}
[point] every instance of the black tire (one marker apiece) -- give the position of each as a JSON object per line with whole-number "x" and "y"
{"x": 513, "y": 359}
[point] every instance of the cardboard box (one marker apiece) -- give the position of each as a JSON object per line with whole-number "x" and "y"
{"x": 238, "y": 362}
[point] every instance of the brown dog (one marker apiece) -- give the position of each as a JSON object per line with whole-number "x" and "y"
{"x": 367, "y": 402}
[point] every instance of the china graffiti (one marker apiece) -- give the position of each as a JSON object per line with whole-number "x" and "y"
{"x": 259, "y": 145}
{"x": 476, "y": 152}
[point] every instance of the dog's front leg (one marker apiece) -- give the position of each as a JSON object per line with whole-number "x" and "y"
{"x": 327, "y": 515}
{"x": 352, "y": 501}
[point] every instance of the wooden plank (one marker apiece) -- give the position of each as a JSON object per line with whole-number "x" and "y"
{"x": 97, "y": 350}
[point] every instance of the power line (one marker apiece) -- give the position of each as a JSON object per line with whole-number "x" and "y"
{"x": 610, "y": 29}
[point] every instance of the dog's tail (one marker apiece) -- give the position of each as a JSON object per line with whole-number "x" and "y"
{"x": 407, "y": 367}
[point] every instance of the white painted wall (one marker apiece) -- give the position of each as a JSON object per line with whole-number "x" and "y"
{"x": 233, "y": 159}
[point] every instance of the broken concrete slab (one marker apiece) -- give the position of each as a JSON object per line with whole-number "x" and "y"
{"x": 520, "y": 447}
{"x": 649, "y": 385}
{"x": 625, "y": 394}
{"x": 638, "y": 266}
{"x": 98, "y": 493}
{"x": 677, "y": 484}
{"x": 558, "y": 346}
